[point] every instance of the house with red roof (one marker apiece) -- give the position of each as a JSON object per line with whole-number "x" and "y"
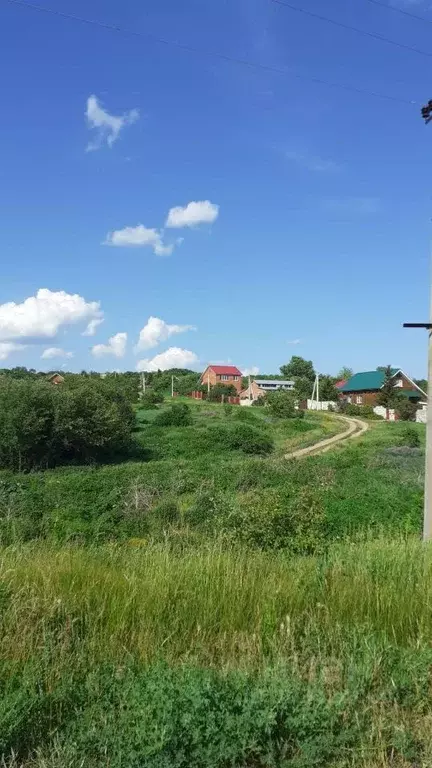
{"x": 222, "y": 374}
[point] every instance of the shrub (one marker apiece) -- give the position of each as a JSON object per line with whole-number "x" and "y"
{"x": 282, "y": 404}
{"x": 42, "y": 426}
{"x": 405, "y": 409}
{"x": 242, "y": 437}
{"x": 228, "y": 409}
{"x": 259, "y": 401}
{"x": 178, "y": 415}
{"x": 410, "y": 437}
{"x": 272, "y": 519}
{"x": 150, "y": 400}
{"x": 216, "y": 392}
{"x": 364, "y": 411}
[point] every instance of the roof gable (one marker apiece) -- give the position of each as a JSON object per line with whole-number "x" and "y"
{"x": 367, "y": 380}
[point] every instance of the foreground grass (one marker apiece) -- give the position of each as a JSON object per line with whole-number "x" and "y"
{"x": 136, "y": 656}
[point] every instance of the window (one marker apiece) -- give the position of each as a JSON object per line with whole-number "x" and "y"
{"x": 235, "y": 378}
{"x": 398, "y": 383}
{"x": 224, "y": 377}
{"x": 349, "y": 399}
{"x": 359, "y": 399}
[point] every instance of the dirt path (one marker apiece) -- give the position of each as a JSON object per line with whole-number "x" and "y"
{"x": 356, "y": 427}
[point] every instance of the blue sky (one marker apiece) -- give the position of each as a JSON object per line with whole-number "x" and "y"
{"x": 312, "y": 236}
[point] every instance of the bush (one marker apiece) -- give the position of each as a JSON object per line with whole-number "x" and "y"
{"x": 282, "y": 405}
{"x": 260, "y": 401}
{"x": 178, "y": 415}
{"x": 219, "y": 390}
{"x": 410, "y": 437}
{"x": 364, "y": 411}
{"x": 228, "y": 409}
{"x": 150, "y": 400}
{"x": 42, "y": 426}
{"x": 242, "y": 437}
{"x": 405, "y": 409}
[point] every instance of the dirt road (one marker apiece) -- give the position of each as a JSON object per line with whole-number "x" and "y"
{"x": 356, "y": 427}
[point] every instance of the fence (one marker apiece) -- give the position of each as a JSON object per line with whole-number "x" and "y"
{"x": 198, "y": 395}
{"x": 325, "y": 405}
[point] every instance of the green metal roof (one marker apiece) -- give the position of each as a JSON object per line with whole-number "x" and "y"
{"x": 368, "y": 380}
{"x": 410, "y": 393}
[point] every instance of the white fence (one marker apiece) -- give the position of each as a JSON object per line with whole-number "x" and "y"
{"x": 324, "y": 405}
{"x": 421, "y": 416}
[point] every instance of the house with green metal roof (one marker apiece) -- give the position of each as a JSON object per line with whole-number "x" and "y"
{"x": 362, "y": 388}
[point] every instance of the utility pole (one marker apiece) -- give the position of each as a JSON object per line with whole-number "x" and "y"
{"x": 250, "y": 391}
{"x": 426, "y": 113}
{"x": 143, "y": 382}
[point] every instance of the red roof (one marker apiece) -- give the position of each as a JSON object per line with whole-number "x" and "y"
{"x": 341, "y": 383}
{"x": 226, "y": 370}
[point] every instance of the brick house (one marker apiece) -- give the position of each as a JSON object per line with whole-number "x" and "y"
{"x": 362, "y": 388}
{"x": 222, "y": 374}
{"x": 56, "y": 378}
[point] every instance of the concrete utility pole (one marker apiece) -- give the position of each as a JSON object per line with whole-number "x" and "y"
{"x": 426, "y": 113}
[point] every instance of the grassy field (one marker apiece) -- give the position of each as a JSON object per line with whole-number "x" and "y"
{"x": 206, "y": 608}
{"x": 138, "y": 656}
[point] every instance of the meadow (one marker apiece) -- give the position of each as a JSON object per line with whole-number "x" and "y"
{"x": 199, "y": 606}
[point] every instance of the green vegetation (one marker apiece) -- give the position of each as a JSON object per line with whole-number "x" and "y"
{"x": 208, "y": 603}
{"x": 137, "y": 656}
{"x": 44, "y": 426}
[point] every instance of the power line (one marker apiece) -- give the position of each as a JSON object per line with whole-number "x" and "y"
{"x": 204, "y": 52}
{"x": 400, "y": 10}
{"x": 365, "y": 33}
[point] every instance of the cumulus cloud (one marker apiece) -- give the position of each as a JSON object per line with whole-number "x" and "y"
{"x": 116, "y": 346}
{"x": 106, "y": 126}
{"x": 194, "y": 213}
{"x": 156, "y": 330}
{"x": 174, "y": 357}
{"x": 140, "y": 236}
{"x": 51, "y": 352}
{"x": 6, "y": 347}
{"x": 43, "y": 315}
{"x": 91, "y": 327}
{"x": 253, "y": 371}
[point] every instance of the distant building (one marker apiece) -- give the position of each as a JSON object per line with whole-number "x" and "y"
{"x": 56, "y": 378}
{"x": 261, "y": 387}
{"x": 363, "y": 388}
{"x": 222, "y": 374}
{"x": 271, "y": 385}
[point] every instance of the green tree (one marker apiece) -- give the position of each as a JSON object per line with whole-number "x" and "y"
{"x": 186, "y": 384}
{"x": 303, "y": 387}
{"x": 345, "y": 373}
{"x": 422, "y": 383}
{"x": 298, "y": 368}
{"x": 327, "y": 389}
{"x": 387, "y": 396}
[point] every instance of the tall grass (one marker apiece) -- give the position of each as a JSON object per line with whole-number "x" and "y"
{"x": 213, "y": 606}
{"x": 134, "y": 655}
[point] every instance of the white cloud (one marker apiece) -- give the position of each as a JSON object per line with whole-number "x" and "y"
{"x": 253, "y": 371}
{"x": 116, "y": 346}
{"x": 194, "y": 213}
{"x": 311, "y": 162}
{"x": 51, "y": 352}
{"x": 91, "y": 328}
{"x": 294, "y": 341}
{"x": 156, "y": 330}
{"x": 140, "y": 236}
{"x": 41, "y": 316}
{"x": 174, "y": 357}
{"x": 107, "y": 126}
{"x": 6, "y": 347}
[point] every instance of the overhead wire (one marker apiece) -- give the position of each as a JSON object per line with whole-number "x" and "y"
{"x": 208, "y": 53}
{"x": 357, "y": 30}
{"x": 402, "y": 11}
